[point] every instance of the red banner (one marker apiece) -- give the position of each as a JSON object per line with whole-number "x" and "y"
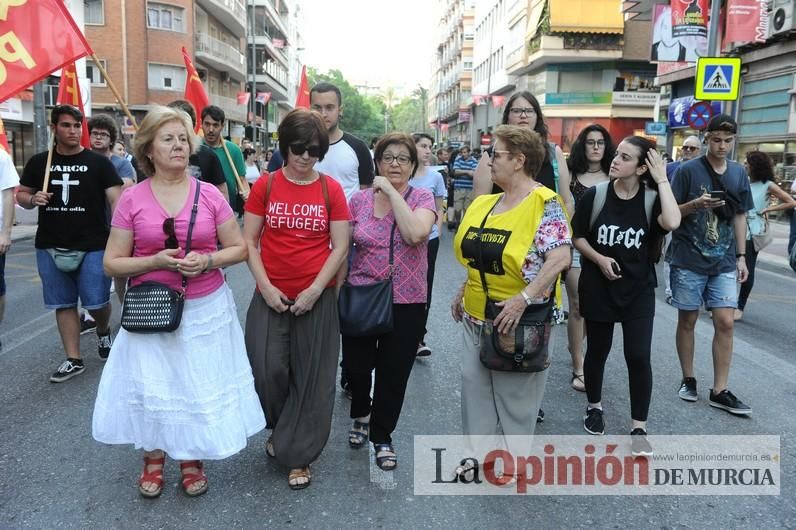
{"x": 497, "y": 101}
{"x": 690, "y": 18}
{"x": 69, "y": 94}
{"x": 303, "y": 94}
{"x": 443, "y": 127}
{"x": 36, "y": 38}
{"x": 195, "y": 92}
{"x": 747, "y": 21}
{"x": 243, "y": 98}
{"x": 263, "y": 97}
{"x": 278, "y": 43}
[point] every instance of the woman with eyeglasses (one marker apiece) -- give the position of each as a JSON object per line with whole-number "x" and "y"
{"x": 588, "y": 163}
{"x": 391, "y": 210}
{"x": 297, "y": 229}
{"x": 187, "y": 393}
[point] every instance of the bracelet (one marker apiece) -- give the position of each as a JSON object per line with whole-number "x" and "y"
{"x": 209, "y": 263}
{"x": 525, "y": 297}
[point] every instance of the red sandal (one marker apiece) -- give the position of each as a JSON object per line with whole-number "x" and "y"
{"x": 154, "y": 477}
{"x": 189, "y": 479}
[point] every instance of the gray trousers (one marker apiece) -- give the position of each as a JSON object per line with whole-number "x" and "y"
{"x": 294, "y": 362}
{"x": 496, "y": 403}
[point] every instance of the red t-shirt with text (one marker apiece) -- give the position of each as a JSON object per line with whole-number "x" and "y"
{"x": 295, "y": 241}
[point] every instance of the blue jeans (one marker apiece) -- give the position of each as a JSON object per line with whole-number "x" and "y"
{"x": 792, "y": 239}
{"x": 690, "y": 290}
{"x": 62, "y": 289}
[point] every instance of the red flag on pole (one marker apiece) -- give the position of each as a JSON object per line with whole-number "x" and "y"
{"x": 4, "y": 138}
{"x": 69, "y": 94}
{"x": 263, "y": 97}
{"x": 497, "y": 101}
{"x": 303, "y": 96}
{"x": 243, "y": 98}
{"x": 37, "y": 39}
{"x": 194, "y": 89}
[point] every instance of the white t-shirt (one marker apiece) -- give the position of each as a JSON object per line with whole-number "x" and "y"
{"x": 9, "y": 178}
{"x": 348, "y": 161}
{"x": 252, "y": 173}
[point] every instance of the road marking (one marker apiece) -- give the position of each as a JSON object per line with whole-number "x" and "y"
{"x": 21, "y": 336}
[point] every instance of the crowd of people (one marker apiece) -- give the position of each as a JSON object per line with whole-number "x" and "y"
{"x": 324, "y": 217}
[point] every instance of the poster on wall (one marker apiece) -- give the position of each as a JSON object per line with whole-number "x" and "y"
{"x": 690, "y": 18}
{"x": 747, "y": 21}
{"x": 668, "y": 48}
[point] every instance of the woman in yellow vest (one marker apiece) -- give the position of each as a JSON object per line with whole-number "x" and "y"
{"x": 520, "y": 240}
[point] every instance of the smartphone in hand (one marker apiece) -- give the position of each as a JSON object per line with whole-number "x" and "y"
{"x": 717, "y": 195}
{"x": 616, "y": 269}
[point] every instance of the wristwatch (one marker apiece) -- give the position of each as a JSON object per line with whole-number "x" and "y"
{"x": 525, "y": 297}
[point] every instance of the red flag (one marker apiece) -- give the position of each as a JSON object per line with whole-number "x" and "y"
{"x": 443, "y": 127}
{"x": 4, "y": 138}
{"x": 303, "y": 95}
{"x": 194, "y": 89}
{"x": 243, "y": 98}
{"x": 747, "y": 21}
{"x": 37, "y": 39}
{"x": 278, "y": 43}
{"x": 69, "y": 94}
{"x": 263, "y": 97}
{"x": 497, "y": 101}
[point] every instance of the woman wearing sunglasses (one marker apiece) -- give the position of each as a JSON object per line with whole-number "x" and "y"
{"x": 297, "y": 229}
{"x": 188, "y": 393}
{"x": 391, "y": 213}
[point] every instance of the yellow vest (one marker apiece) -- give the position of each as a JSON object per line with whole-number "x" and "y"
{"x": 509, "y": 233}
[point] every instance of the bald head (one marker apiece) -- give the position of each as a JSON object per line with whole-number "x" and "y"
{"x": 691, "y": 147}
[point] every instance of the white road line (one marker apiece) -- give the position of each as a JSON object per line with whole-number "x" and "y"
{"x": 27, "y": 332}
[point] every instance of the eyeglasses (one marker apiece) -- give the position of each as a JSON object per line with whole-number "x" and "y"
{"x": 168, "y": 229}
{"x": 100, "y": 134}
{"x": 498, "y": 151}
{"x": 690, "y": 148}
{"x": 519, "y": 111}
{"x": 402, "y": 160}
{"x": 595, "y": 143}
{"x": 299, "y": 149}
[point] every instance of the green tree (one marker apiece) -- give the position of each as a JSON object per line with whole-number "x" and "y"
{"x": 409, "y": 114}
{"x": 362, "y": 116}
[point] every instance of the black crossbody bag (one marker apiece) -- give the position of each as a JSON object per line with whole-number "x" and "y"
{"x": 152, "y": 307}
{"x": 526, "y": 350}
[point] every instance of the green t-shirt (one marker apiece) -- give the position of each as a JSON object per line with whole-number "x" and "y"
{"x": 229, "y": 175}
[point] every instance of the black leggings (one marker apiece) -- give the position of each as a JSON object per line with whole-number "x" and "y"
{"x": 746, "y": 287}
{"x": 433, "y": 249}
{"x": 637, "y": 335}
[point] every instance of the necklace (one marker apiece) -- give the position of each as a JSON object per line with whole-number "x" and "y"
{"x": 595, "y": 171}
{"x": 300, "y": 182}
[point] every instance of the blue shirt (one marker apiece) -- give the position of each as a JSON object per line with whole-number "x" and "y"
{"x": 123, "y": 167}
{"x": 464, "y": 183}
{"x": 432, "y": 181}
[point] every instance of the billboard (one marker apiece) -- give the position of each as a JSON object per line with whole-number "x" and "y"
{"x": 666, "y": 47}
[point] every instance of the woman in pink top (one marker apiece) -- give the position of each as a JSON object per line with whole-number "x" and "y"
{"x": 374, "y": 211}
{"x": 189, "y": 393}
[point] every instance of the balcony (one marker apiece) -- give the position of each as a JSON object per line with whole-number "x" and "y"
{"x": 230, "y": 106}
{"x": 231, "y": 13}
{"x": 220, "y": 56}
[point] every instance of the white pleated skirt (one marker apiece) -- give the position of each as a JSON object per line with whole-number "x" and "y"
{"x": 189, "y": 393}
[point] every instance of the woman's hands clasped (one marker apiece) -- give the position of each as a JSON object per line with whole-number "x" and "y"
{"x": 190, "y": 266}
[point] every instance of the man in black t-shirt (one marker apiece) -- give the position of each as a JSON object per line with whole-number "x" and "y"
{"x": 72, "y": 232}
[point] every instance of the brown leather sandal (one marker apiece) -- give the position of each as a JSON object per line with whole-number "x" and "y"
{"x": 294, "y": 478}
{"x": 155, "y": 477}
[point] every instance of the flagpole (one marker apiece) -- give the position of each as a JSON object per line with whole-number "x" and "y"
{"x": 242, "y": 184}
{"x": 114, "y": 90}
{"x": 50, "y": 149}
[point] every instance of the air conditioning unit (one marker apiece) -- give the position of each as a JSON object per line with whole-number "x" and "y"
{"x": 781, "y": 18}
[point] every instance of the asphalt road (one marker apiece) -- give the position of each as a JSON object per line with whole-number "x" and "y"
{"x": 53, "y": 474}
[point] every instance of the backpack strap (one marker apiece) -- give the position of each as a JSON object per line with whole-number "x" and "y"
{"x": 551, "y": 152}
{"x": 649, "y": 201}
{"x": 600, "y": 193}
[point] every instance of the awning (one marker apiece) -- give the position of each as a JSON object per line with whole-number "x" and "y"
{"x": 586, "y": 16}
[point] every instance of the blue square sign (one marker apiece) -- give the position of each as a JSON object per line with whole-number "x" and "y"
{"x": 718, "y": 78}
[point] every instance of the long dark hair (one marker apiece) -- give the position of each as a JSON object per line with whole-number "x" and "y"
{"x": 760, "y": 169}
{"x": 540, "y": 127}
{"x": 578, "y": 163}
{"x": 644, "y": 145}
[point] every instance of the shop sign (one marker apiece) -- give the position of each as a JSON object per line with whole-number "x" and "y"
{"x": 655, "y": 128}
{"x": 11, "y": 109}
{"x": 464, "y": 117}
{"x": 578, "y": 98}
{"x": 635, "y": 99}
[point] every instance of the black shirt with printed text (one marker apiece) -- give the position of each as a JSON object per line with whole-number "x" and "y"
{"x": 75, "y": 218}
{"x": 620, "y": 232}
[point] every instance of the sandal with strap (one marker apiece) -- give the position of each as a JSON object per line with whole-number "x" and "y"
{"x": 388, "y": 461}
{"x": 154, "y": 477}
{"x": 294, "y": 478}
{"x": 358, "y": 435}
{"x": 578, "y": 383}
{"x": 189, "y": 479}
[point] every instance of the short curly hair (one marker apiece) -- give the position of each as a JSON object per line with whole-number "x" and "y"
{"x": 521, "y": 140}
{"x": 151, "y": 124}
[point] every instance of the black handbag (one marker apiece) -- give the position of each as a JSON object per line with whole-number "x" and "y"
{"x": 526, "y": 350}
{"x": 366, "y": 310}
{"x": 731, "y": 204}
{"x": 152, "y": 307}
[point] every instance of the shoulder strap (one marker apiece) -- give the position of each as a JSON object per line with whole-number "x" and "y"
{"x": 480, "y": 247}
{"x": 194, "y": 211}
{"x": 392, "y": 233}
{"x": 268, "y": 185}
{"x": 649, "y": 201}
{"x": 325, "y": 190}
{"x": 600, "y": 192}
{"x": 551, "y": 151}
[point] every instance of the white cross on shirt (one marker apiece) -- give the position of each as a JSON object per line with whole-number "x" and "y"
{"x": 65, "y": 184}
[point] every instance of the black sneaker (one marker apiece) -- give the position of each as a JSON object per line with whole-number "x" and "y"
{"x": 68, "y": 369}
{"x": 593, "y": 421}
{"x": 725, "y": 400}
{"x": 87, "y": 325}
{"x": 540, "y": 416}
{"x": 104, "y": 344}
{"x": 639, "y": 445}
{"x": 423, "y": 350}
{"x": 688, "y": 390}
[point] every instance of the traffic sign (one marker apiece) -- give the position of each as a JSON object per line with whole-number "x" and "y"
{"x": 655, "y": 128}
{"x": 718, "y": 78}
{"x": 699, "y": 114}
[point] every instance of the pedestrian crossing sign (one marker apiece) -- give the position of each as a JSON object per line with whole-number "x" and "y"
{"x": 718, "y": 78}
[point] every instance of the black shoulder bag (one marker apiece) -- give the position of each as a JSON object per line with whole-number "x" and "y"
{"x": 731, "y": 204}
{"x": 366, "y": 310}
{"x": 527, "y": 349}
{"x": 152, "y": 307}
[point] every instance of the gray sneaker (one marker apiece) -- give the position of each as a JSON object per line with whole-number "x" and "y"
{"x": 67, "y": 370}
{"x": 725, "y": 400}
{"x": 688, "y": 391}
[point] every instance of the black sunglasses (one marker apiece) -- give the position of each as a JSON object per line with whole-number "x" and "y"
{"x": 168, "y": 229}
{"x": 298, "y": 149}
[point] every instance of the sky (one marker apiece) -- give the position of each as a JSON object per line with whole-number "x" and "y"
{"x": 374, "y": 42}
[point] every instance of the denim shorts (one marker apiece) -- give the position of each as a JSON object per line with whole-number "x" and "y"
{"x": 62, "y": 289}
{"x": 690, "y": 290}
{"x": 2, "y": 275}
